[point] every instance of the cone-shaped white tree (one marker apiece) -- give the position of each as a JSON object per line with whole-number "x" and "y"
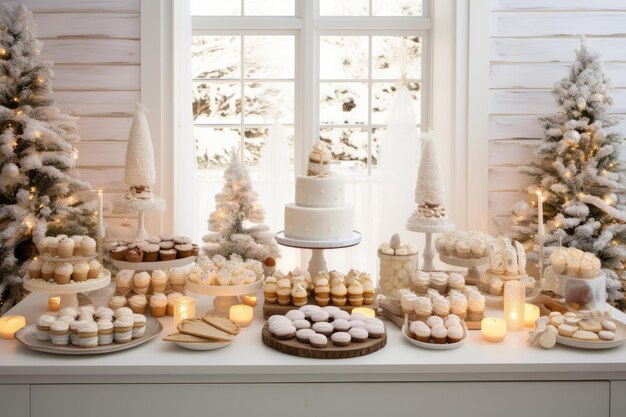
{"x": 579, "y": 173}
{"x": 40, "y": 191}
{"x": 429, "y": 194}
{"x": 140, "y": 172}
{"x": 237, "y": 222}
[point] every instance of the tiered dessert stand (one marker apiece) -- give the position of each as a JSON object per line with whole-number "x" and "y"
{"x": 151, "y": 266}
{"x": 429, "y": 249}
{"x": 68, "y": 292}
{"x": 317, "y": 263}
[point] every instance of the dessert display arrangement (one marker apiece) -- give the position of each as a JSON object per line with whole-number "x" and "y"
{"x": 507, "y": 261}
{"x": 324, "y": 333}
{"x": 206, "y": 333}
{"x": 88, "y": 330}
{"x": 283, "y": 292}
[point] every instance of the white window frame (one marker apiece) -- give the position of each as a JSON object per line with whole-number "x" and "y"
{"x": 307, "y": 26}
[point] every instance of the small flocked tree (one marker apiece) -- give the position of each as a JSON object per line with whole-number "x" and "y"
{"x": 578, "y": 170}
{"x": 40, "y": 192}
{"x": 237, "y": 222}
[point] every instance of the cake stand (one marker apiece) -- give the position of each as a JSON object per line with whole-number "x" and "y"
{"x": 317, "y": 263}
{"x": 429, "y": 251}
{"x": 225, "y": 296}
{"x": 151, "y": 266}
{"x": 68, "y": 292}
{"x": 141, "y": 206}
{"x": 471, "y": 264}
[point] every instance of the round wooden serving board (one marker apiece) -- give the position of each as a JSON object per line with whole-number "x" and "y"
{"x": 305, "y": 350}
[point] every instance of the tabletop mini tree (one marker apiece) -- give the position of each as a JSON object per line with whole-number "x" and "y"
{"x": 579, "y": 174}
{"x": 237, "y": 222}
{"x": 40, "y": 192}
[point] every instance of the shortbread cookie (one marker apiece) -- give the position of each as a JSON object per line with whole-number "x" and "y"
{"x": 556, "y": 321}
{"x": 554, "y": 313}
{"x": 200, "y": 328}
{"x": 585, "y": 335}
{"x": 590, "y": 325}
{"x": 608, "y": 325}
{"x": 570, "y": 314}
{"x": 185, "y": 338}
{"x": 223, "y": 324}
{"x": 547, "y": 340}
{"x": 572, "y": 320}
{"x": 567, "y": 330}
{"x": 606, "y": 335}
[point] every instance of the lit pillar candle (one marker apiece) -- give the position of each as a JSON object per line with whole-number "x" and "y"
{"x": 540, "y": 228}
{"x": 100, "y": 232}
{"x": 241, "y": 314}
{"x": 184, "y": 308}
{"x": 531, "y": 315}
{"x": 367, "y": 312}
{"x": 11, "y": 324}
{"x": 249, "y": 300}
{"x": 54, "y": 303}
{"x": 514, "y": 298}
{"x": 493, "y": 329}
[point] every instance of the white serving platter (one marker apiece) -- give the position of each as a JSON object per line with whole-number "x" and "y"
{"x": 151, "y": 266}
{"x": 620, "y": 338}
{"x": 39, "y": 285}
{"x": 26, "y": 336}
{"x": 203, "y": 346}
{"x": 354, "y": 240}
{"x": 434, "y": 346}
{"x": 223, "y": 290}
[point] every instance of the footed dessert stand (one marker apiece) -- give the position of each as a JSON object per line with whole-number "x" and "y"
{"x": 429, "y": 250}
{"x": 68, "y": 292}
{"x": 224, "y": 296}
{"x": 471, "y": 264}
{"x": 151, "y": 266}
{"x": 317, "y": 263}
{"x": 140, "y": 206}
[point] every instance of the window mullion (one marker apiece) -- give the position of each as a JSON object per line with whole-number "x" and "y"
{"x": 369, "y": 103}
{"x": 242, "y": 133}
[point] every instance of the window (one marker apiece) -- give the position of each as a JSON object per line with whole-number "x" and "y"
{"x": 324, "y": 69}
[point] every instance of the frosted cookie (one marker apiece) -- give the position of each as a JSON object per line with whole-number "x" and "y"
{"x": 590, "y": 325}
{"x": 373, "y": 320}
{"x": 318, "y": 341}
{"x": 331, "y": 310}
{"x": 556, "y": 321}
{"x": 278, "y": 319}
{"x": 357, "y": 323}
{"x": 303, "y": 335}
{"x": 358, "y": 334}
{"x": 341, "y": 315}
{"x": 285, "y": 332}
{"x": 554, "y": 313}
{"x": 567, "y": 330}
{"x": 570, "y": 314}
{"x": 572, "y": 320}
{"x": 432, "y": 321}
{"x": 341, "y": 338}
{"x": 606, "y": 335}
{"x": 308, "y": 310}
{"x": 320, "y": 316}
{"x": 608, "y": 325}
{"x": 585, "y": 335}
{"x": 294, "y": 315}
{"x": 341, "y": 325}
{"x": 374, "y": 331}
{"x": 323, "y": 327}
{"x": 301, "y": 324}
{"x": 357, "y": 316}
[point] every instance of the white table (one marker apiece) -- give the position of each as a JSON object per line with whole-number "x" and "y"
{"x": 247, "y": 377}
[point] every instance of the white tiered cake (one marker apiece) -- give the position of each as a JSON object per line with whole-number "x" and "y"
{"x": 320, "y": 212}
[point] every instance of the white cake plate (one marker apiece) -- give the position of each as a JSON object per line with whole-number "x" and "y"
{"x": 317, "y": 263}
{"x": 151, "y": 266}
{"x": 67, "y": 292}
{"x": 470, "y": 264}
{"x": 429, "y": 250}
{"x": 225, "y": 295}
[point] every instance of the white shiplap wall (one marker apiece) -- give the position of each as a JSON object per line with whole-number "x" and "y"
{"x": 95, "y": 48}
{"x": 531, "y": 44}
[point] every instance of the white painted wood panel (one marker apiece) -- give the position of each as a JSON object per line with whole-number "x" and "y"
{"x": 524, "y": 24}
{"x": 109, "y": 179}
{"x": 553, "y": 49}
{"x": 78, "y": 5}
{"x": 100, "y": 154}
{"x": 524, "y": 127}
{"x": 557, "y": 5}
{"x": 501, "y": 202}
{"x": 85, "y": 25}
{"x": 539, "y": 101}
{"x": 511, "y": 152}
{"x": 15, "y": 400}
{"x": 618, "y": 398}
{"x": 96, "y": 77}
{"x": 544, "y": 75}
{"x": 97, "y": 103}
{"x": 507, "y": 178}
{"x": 104, "y": 128}
{"x": 91, "y": 51}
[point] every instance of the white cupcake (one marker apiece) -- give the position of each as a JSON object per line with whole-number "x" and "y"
{"x": 65, "y": 248}
{"x": 88, "y": 246}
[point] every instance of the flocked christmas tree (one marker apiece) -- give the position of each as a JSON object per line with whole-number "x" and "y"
{"x": 237, "y": 222}
{"x": 578, "y": 171}
{"x": 40, "y": 192}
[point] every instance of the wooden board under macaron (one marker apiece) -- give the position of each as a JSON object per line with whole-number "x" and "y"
{"x": 296, "y": 348}
{"x": 270, "y": 309}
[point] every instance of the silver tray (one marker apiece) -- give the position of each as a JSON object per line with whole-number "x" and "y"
{"x": 26, "y": 336}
